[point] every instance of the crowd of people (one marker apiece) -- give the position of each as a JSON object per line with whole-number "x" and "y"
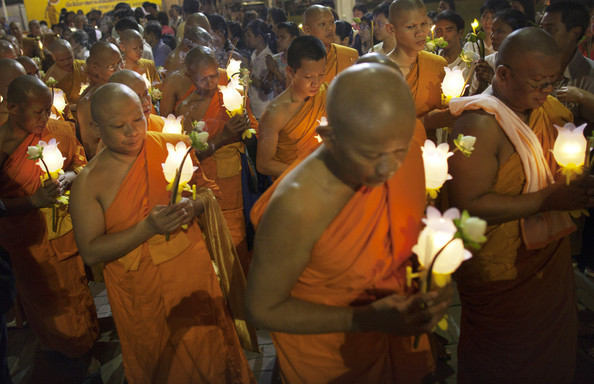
{"x": 287, "y": 193}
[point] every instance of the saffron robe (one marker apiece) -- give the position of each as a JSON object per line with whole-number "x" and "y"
{"x": 298, "y": 137}
{"x": 71, "y": 83}
{"x": 166, "y": 301}
{"x": 50, "y": 276}
{"x": 424, "y": 81}
{"x": 359, "y": 258}
{"x": 337, "y": 59}
{"x": 155, "y": 123}
{"x": 519, "y": 319}
{"x": 147, "y": 67}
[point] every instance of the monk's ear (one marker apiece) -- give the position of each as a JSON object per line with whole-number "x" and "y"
{"x": 576, "y": 32}
{"x": 503, "y": 72}
{"x": 12, "y": 108}
{"x": 390, "y": 28}
{"x": 306, "y": 29}
{"x": 95, "y": 127}
{"x": 290, "y": 72}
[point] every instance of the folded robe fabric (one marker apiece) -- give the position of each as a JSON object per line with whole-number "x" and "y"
{"x": 338, "y": 59}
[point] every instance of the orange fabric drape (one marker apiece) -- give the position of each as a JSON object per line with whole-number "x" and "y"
{"x": 359, "y": 258}
{"x": 154, "y": 123}
{"x": 50, "y": 274}
{"x": 424, "y": 81}
{"x": 71, "y": 83}
{"x": 338, "y": 59}
{"x": 167, "y": 304}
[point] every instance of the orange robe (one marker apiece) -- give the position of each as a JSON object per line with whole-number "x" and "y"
{"x": 424, "y": 81}
{"x": 50, "y": 274}
{"x": 298, "y": 137}
{"x": 359, "y": 258}
{"x": 166, "y": 301}
{"x": 155, "y": 123}
{"x": 148, "y": 67}
{"x": 519, "y": 320}
{"x": 71, "y": 83}
{"x": 337, "y": 59}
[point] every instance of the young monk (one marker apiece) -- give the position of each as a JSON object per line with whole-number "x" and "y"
{"x": 136, "y": 83}
{"x": 423, "y": 70}
{"x": 104, "y": 59}
{"x": 332, "y": 284}
{"x": 49, "y": 272}
{"x": 7, "y": 50}
{"x": 30, "y": 66}
{"x": 288, "y": 126}
{"x": 9, "y": 70}
{"x": 318, "y": 21}
{"x": 166, "y": 301}
{"x": 519, "y": 319}
{"x": 177, "y": 86}
{"x": 132, "y": 46}
{"x": 68, "y": 72}
{"x": 221, "y": 162}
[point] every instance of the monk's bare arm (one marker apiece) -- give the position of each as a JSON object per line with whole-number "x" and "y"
{"x": 88, "y": 219}
{"x": 271, "y": 124}
{"x": 169, "y": 90}
{"x": 474, "y": 176}
{"x": 88, "y": 135}
{"x": 284, "y": 240}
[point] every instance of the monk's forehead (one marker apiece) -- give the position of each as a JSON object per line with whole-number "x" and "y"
{"x": 314, "y": 15}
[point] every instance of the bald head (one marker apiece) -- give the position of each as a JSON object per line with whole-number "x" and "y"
{"x": 398, "y": 7}
{"x": 370, "y": 92}
{"x": 197, "y": 36}
{"x": 29, "y": 65}
{"x": 9, "y": 70}
{"x": 197, "y": 19}
{"x": 376, "y": 57}
{"x": 106, "y": 99}
{"x": 313, "y": 12}
{"x": 200, "y": 56}
{"x": 101, "y": 51}
{"x": 60, "y": 46}
{"x": 318, "y": 21}
{"x": 126, "y": 77}
{"x": 522, "y": 42}
{"x": 130, "y": 35}
{"x": 24, "y": 88}
{"x": 7, "y": 50}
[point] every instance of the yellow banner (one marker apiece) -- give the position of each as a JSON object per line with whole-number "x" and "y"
{"x": 41, "y": 10}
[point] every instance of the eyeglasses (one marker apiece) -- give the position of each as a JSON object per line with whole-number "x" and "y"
{"x": 115, "y": 67}
{"x": 538, "y": 86}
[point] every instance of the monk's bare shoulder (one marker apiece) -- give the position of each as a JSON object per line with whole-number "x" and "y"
{"x": 279, "y": 112}
{"x": 475, "y": 123}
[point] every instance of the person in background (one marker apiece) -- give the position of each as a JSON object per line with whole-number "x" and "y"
{"x": 526, "y": 7}
{"x": 277, "y": 64}
{"x": 450, "y": 26}
{"x": 274, "y": 17}
{"x": 164, "y": 20}
{"x": 175, "y": 16}
{"x": 487, "y": 16}
{"x": 260, "y": 91}
{"x": 343, "y": 33}
{"x": 383, "y": 30}
{"x": 446, "y": 5}
{"x": 152, "y": 35}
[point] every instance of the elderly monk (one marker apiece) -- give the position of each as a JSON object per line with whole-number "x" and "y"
{"x": 68, "y": 72}
{"x": 9, "y": 70}
{"x": 194, "y": 36}
{"x": 424, "y": 71}
{"x": 132, "y": 46}
{"x": 30, "y": 66}
{"x": 331, "y": 286}
{"x": 50, "y": 274}
{"x": 104, "y": 59}
{"x": 288, "y": 126}
{"x": 181, "y": 332}
{"x": 221, "y": 162}
{"x": 318, "y": 21}
{"x": 7, "y": 50}
{"x": 136, "y": 83}
{"x": 519, "y": 320}
{"x": 197, "y": 19}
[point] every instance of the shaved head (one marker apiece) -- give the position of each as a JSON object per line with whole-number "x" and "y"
{"x": 9, "y": 70}
{"x": 7, "y": 50}
{"x": 60, "y": 45}
{"x": 107, "y": 97}
{"x": 318, "y": 21}
{"x": 24, "y": 88}
{"x": 313, "y": 12}
{"x": 376, "y": 57}
{"x": 199, "y": 56}
{"x": 197, "y": 19}
{"x": 399, "y": 6}
{"x": 198, "y": 36}
{"x": 29, "y": 65}
{"x": 101, "y": 51}
{"x": 518, "y": 44}
{"x": 130, "y": 35}
{"x": 369, "y": 92}
{"x": 126, "y": 76}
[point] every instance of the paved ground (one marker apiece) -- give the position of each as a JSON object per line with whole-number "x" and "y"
{"x": 29, "y": 364}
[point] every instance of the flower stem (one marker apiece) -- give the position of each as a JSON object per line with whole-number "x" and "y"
{"x": 175, "y": 187}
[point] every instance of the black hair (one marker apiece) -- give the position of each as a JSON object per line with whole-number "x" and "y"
{"x": 528, "y": 6}
{"x": 305, "y": 47}
{"x": 514, "y": 18}
{"x": 259, "y": 28}
{"x": 218, "y": 23}
{"x": 123, "y": 13}
{"x": 360, "y": 7}
{"x": 278, "y": 15}
{"x": 383, "y": 9}
{"x": 122, "y": 5}
{"x": 163, "y": 18}
{"x": 494, "y": 6}
{"x": 452, "y": 4}
{"x": 139, "y": 14}
{"x": 291, "y": 27}
{"x": 191, "y": 6}
{"x": 344, "y": 30}
{"x": 573, "y": 15}
{"x": 80, "y": 37}
{"x": 154, "y": 28}
{"x": 169, "y": 40}
{"x": 177, "y": 8}
{"x": 126, "y": 23}
{"x": 451, "y": 16}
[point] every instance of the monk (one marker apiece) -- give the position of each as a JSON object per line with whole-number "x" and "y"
{"x": 423, "y": 70}
{"x": 7, "y": 50}
{"x": 197, "y": 19}
{"x": 49, "y": 271}
{"x": 9, "y": 70}
{"x": 181, "y": 332}
{"x": 318, "y": 21}
{"x": 337, "y": 300}
{"x": 194, "y": 36}
{"x": 30, "y": 66}
{"x": 104, "y": 59}
{"x": 70, "y": 73}
{"x": 132, "y": 46}
{"x": 519, "y": 319}
{"x": 136, "y": 83}
{"x": 288, "y": 126}
{"x": 221, "y": 162}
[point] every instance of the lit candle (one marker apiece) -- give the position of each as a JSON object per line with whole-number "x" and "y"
{"x": 570, "y": 149}
{"x": 146, "y": 81}
{"x": 52, "y": 157}
{"x": 435, "y": 161}
{"x": 432, "y": 29}
{"x": 175, "y": 155}
{"x": 83, "y": 87}
{"x": 233, "y": 69}
{"x": 474, "y": 26}
{"x": 453, "y": 83}
{"x": 59, "y": 100}
{"x": 172, "y": 124}
{"x": 232, "y": 99}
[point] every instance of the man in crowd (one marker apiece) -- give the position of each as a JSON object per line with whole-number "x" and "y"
{"x": 68, "y": 72}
